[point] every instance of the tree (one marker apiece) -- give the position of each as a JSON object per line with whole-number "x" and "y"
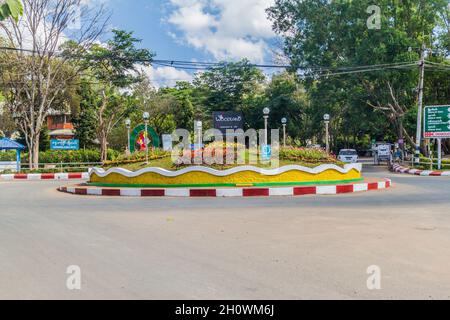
{"x": 36, "y": 73}
{"x": 324, "y": 39}
{"x": 115, "y": 66}
{"x": 84, "y": 119}
{"x": 185, "y": 111}
{"x": 161, "y": 107}
{"x": 286, "y": 97}
{"x": 6, "y": 120}
{"x": 226, "y": 87}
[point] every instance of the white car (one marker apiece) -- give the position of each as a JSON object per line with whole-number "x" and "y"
{"x": 348, "y": 156}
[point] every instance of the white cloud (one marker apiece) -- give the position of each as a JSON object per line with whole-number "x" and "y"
{"x": 228, "y": 29}
{"x": 166, "y": 76}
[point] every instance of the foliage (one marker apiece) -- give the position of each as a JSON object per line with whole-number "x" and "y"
{"x": 229, "y": 87}
{"x": 7, "y": 155}
{"x": 84, "y": 120}
{"x": 75, "y": 156}
{"x": 11, "y": 8}
{"x": 38, "y": 82}
{"x": 327, "y": 37}
{"x": 137, "y": 157}
{"x": 114, "y": 66}
{"x": 314, "y": 155}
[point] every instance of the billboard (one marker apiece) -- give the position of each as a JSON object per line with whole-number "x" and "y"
{"x": 228, "y": 120}
{"x": 437, "y": 122}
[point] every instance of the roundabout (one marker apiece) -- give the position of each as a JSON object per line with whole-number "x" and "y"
{"x": 367, "y": 185}
{"x": 242, "y": 176}
{"x": 243, "y": 181}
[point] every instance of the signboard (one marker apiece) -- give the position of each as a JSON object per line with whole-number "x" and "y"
{"x": 65, "y": 145}
{"x": 437, "y": 122}
{"x": 139, "y": 139}
{"x": 228, "y": 120}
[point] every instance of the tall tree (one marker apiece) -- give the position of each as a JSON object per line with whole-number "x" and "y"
{"x": 185, "y": 110}
{"x": 161, "y": 106}
{"x": 115, "y": 66}
{"x": 36, "y": 73}
{"x": 225, "y": 88}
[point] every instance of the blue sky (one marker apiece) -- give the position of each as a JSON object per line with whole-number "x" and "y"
{"x": 197, "y": 30}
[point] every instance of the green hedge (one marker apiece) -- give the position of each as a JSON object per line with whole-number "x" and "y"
{"x": 69, "y": 156}
{"x": 62, "y": 156}
{"x": 7, "y": 156}
{"x": 306, "y": 155}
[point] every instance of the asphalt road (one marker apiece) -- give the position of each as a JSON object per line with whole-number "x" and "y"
{"x": 251, "y": 248}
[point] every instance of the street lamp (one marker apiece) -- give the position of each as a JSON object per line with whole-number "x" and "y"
{"x": 326, "y": 119}
{"x": 128, "y": 124}
{"x": 198, "y": 141}
{"x": 284, "y": 123}
{"x": 146, "y": 117}
{"x": 266, "y": 113}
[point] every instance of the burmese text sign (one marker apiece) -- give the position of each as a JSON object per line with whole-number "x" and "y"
{"x": 437, "y": 122}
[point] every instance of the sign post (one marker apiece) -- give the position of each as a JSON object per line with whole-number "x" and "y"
{"x": 437, "y": 126}
{"x": 439, "y": 141}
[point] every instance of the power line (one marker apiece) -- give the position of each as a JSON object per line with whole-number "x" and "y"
{"x": 194, "y": 65}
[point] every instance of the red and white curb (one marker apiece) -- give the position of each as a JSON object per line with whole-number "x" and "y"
{"x": 45, "y": 176}
{"x": 229, "y": 192}
{"x": 424, "y": 173}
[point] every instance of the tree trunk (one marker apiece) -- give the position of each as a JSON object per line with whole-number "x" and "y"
{"x": 36, "y": 154}
{"x": 33, "y": 151}
{"x": 30, "y": 155}
{"x": 104, "y": 147}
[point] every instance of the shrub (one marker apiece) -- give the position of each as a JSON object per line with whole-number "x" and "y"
{"x": 306, "y": 155}
{"x": 8, "y": 156}
{"x": 138, "y": 157}
{"x": 73, "y": 156}
{"x": 69, "y": 156}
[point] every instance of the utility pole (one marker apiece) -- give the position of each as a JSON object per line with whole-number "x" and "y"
{"x": 420, "y": 109}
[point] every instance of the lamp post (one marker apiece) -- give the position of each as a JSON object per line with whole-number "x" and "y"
{"x": 326, "y": 119}
{"x": 146, "y": 117}
{"x": 266, "y": 113}
{"x": 198, "y": 142}
{"x": 128, "y": 124}
{"x": 284, "y": 123}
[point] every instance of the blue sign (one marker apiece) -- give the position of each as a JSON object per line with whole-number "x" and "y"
{"x": 65, "y": 145}
{"x": 266, "y": 153}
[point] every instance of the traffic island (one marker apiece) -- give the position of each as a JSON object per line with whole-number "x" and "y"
{"x": 240, "y": 176}
{"x": 298, "y": 172}
{"x": 417, "y": 172}
{"x": 292, "y": 191}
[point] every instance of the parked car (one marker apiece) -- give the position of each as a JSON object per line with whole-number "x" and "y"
{"x": 348, "y": 156}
